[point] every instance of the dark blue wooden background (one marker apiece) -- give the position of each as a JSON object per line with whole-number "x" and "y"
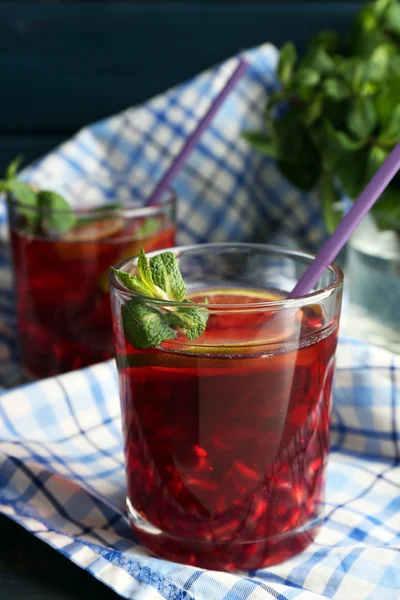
{"x": 63, "y": 65}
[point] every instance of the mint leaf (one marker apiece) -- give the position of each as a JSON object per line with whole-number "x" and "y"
{"x": 145, "y": 326}
{"x": 330, "y": 199}
{"x": 287, "y": 62}
{"x": 21, "y": 191}
{"x": 376, "y": 158}
{"x": 336, "y": 89}
{"x": 192, "y": 319}
{"x": 42, "y": 209}
{"x": 27, "y": 198}
{"x": 167, "y": 276}
{"x": 13, "y": 167}
{"x": 362, "y": 118}
{"x": 57, "y": 213}
{"x": 136, "y": 284}
{"x": 144, "y": 269}
{"x": 393, "y": 18}
{"x": 262, "y": 141}
{"x": 391, "y": 132}
{"x": 149, "y": 226}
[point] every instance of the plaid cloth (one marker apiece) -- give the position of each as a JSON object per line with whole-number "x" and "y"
{"x": 61, "y": 462}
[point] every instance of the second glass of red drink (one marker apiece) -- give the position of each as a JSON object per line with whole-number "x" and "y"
{"x": 61, "y": 277}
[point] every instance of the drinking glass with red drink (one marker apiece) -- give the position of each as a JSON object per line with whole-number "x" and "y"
{"x": 226, "y": 401}
{"x": 61, "y": 259}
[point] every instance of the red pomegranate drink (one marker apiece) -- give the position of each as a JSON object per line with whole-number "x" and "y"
{"x": 227, "y": 433}
{"x": 61, "y": 279}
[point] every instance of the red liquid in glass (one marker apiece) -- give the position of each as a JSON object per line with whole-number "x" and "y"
{"x": 226, "y": 453}
{"x": 63, "y": 305}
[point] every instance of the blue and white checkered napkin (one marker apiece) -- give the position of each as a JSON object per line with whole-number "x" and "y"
{"x": 61, "y": 462}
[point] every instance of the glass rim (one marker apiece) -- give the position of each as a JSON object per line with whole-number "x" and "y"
{"x": 316, "y": 296}
{"x": 169, "y": 198}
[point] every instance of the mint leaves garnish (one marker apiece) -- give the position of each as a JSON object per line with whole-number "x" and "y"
{"x": 148, "y": 227}
{"x": 192, "y": 319}
{"x": 41, "y": 209}
{"x": 146, "y": 325}
{"x": 44, "y": 210}
{"x": 57, "y": 213}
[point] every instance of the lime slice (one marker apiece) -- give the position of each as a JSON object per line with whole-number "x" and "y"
{"x": 84, "y": 241}
{"x": 246, "y": 330}
{"x": 232, "y": 296}
{"x": 94, "y": 231}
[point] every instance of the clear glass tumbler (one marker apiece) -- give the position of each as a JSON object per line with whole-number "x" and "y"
{"x": 61, "y": 277}
{"x": 227, "y": 436}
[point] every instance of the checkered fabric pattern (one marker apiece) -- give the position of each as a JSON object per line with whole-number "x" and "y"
{"x": 61, "y": 462}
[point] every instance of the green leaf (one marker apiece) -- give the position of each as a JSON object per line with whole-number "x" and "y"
{"x": 387, "y": 210}
{"x": 319, "y": 59}
{"x": 391, "y": 132}
{"x": 330, "y": 199}
{"x": 192, "y": 319}
{"x": 388, "y": 99}
{"x": 167, "y": 276}
{"x": 57, "y": 213}
{"x": 136, "y": 284}
{"x": 27, "y": 201}
{"x": 328, "y": 40}
{"x": 148, "y": 227}
{"x": 341, "y": 142}
{"x": 394, "y": 66}
{"x": 144, "y": 326}
{"x": 262, "y": 141}
{"x": 144, "y": 270}
{"x": 22, "y": 193}
{"x": 352, "y": 174}
{"x": 307, "y": 77}
{"x": 335, "y": 89}
{"x": 378, "y": 63}
{"x": 393, "y": 18}
{"x": 314, "y": 110}
{"x": 13, "y": 167}
{"x": 381, "y": 6}
{"x": 376, "y": 158}
{"x": 287, "y": 62}
{"x": 362, "y": 118}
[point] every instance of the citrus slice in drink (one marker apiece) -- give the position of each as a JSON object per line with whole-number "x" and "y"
{"x": 233, "y": 296}
{"x": 84, "y": 240}
{"x": 238, "y": 318}
{"x": 266, "y": 336}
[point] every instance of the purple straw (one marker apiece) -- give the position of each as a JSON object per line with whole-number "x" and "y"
{"x": 195, "y": 136}
{"x": 342, "y": 233}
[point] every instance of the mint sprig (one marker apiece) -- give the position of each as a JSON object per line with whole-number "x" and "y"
{"x": 336, "y": 115}
{"x": 146, "y": 325}
{"x": 44, "y": 210}
{"x": 41, "y": 209}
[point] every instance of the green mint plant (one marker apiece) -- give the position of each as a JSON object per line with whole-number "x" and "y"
{"x": 146, "y": 325}
{"x": 336, "y": 116}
